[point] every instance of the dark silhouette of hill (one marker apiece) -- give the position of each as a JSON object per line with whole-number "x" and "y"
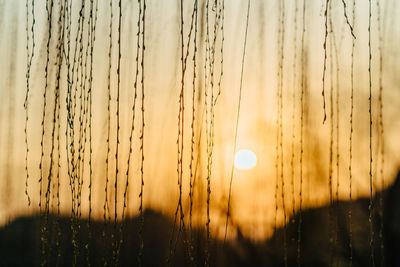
{"x": 325, "y": 233}
{"x": 20, "y": 240}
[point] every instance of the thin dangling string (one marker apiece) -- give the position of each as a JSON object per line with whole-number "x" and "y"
{"x": 237, "y": 116}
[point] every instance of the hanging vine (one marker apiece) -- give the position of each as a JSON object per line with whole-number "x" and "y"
{"x": 192, "y": 141}
{"x": 237, "y": 114}
{"x": 350, "y": 214}
{"x": 280, "y": 89}
{"x": 141, "y": 243}
{"x": 30, "y": 52}
{"x": 116, "y": 236}
{"x": 331, "y": 236}
{"x": 106, "y": 206}
{"x": 325, "y": 57}
{"x": 43, "y": 213}
{"x": 135, "y": 87}
{"x": 296, "y": 8}
{"x": 381, "y": 132}
{"x": 303, "y": 76}
{"x": 69, "y": 69}
{"x": 371, "y": 203}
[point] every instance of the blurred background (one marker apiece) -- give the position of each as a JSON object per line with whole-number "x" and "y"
{"x": 214, "y": 78}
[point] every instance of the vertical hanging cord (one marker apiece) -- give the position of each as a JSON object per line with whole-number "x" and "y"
{"x": 192, "y": 143}
{"x": 116, "y": 240}
{"x": 141, "y": 243}
{"x": 282, "y": 45}
{"x": 93, "y": 22}
{"x": 277, "y": 124}
{"x": 181, "y": 124}
{"x": 381, "y": 132}
{"x": 221, "y": 18}
{"x": 351, "y": 27}
{"x": 209, "y": 154}
{"x": 81, "y": 84}
{"x": 180, "y": 140}
{"x": 173, "y": 242}
{"x": 55, "y": 121}
{"x": 213, "y": 101}
{"x": 210, "y": 115}
{"x": 132, "y": 125}
{"x": 64, "y": 10}
{"x": 301, "y": 135}
{"x": 337, "y": 101}
{"x": 237, "y": 117}
{"x": 106, "y": 206}
{"x": 325, "y": 57}
{"x": 76, "y": 157}
{"x": 208, "y": 134}
{"x": 210, "y": 54}
{"x": 29, "y": 58}
{"x": 58, "y": 228}
{"x": 43, "y": 227}
{"x": 69, "y": 128}
{"x": 83, "y": 111}
{"x": 294, "y": 109}
{"x": 350, "y": 214}
{"x": 48, "y": 194}
{"x": 331, "y": 234}
{"x": 83, "y": 120}
{"x": 371, "y": 203}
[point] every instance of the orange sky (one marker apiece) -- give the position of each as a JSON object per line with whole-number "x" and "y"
{"x": 253, "y": 190}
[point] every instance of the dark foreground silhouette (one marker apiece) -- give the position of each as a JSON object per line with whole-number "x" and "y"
{"x": 324, "y": 240}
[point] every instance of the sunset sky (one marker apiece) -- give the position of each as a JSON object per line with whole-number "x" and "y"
{"x": 252, "y": 203}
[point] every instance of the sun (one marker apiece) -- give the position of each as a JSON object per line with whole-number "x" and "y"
{"x": 245, "y": 159}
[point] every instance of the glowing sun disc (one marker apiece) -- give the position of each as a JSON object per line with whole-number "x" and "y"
{"x": 245, "y": 159}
